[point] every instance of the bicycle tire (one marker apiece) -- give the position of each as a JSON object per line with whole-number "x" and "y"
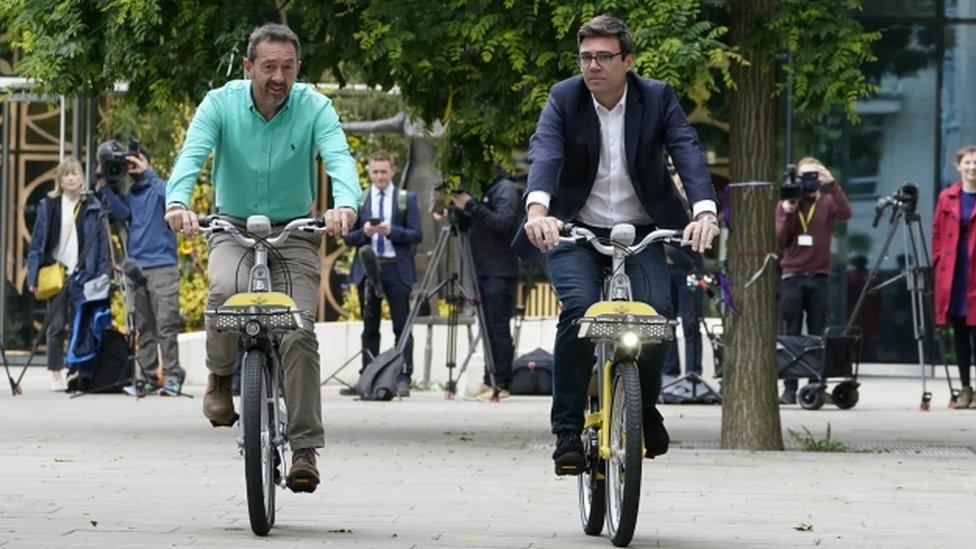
{"x": 624, "y": 467}
{"x": 592, "y": 489}
{"x": 259, "y": 462}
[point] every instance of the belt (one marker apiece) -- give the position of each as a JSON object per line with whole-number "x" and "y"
{"x": 386, "y": 260}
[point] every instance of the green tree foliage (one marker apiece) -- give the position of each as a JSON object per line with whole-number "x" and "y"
{"x": 485, "y": 66}
{"x": 482, "y": 66}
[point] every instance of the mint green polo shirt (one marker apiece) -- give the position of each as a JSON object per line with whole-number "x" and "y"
{"x": 265, "y": 167}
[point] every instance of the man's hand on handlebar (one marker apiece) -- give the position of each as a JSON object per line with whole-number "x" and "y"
{"x": 700, "y": 233}
{"x": 182, "y": 220}
{"x": 339, "y": 221}
{"x": 541, "y": 228}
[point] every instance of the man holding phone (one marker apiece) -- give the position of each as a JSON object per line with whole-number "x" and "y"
{"x": 389, "y": 221}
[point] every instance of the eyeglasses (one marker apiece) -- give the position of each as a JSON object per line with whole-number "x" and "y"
{"x": 602, "y": 58}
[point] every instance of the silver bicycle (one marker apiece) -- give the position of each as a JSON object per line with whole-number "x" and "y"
{"x": 261, "y": 317}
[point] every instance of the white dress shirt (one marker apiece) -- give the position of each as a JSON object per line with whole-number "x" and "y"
{"x": 385, "y": 215}
{"x": 612, "y": 199}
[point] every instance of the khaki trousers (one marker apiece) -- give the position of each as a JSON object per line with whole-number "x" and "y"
{"x": 229, "y": 270}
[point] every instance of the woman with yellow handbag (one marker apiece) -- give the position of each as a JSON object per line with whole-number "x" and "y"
{"x": 65, "y": 220}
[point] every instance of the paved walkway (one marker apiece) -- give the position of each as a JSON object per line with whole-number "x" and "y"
{"x": 108, "y": 470}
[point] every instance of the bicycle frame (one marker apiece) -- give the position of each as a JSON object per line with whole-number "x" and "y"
{"x": 260, "y": 314}
{"x": 610, "y": 321}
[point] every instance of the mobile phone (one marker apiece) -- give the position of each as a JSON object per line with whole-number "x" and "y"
{"x": 374, "y": 221}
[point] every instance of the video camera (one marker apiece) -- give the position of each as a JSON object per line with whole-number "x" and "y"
{"x": 905, "y": 199}
{"x": 798, "y": 185}
{"x": 112, "y": 159}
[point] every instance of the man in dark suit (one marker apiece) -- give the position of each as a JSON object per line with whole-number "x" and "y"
{"x": 389, "y": 221}
{"x": 597, "y": 159}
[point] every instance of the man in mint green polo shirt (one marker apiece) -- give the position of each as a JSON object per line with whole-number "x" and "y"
{"x": 265, "y": 132}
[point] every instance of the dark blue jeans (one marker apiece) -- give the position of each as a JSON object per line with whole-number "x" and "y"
{"x": 688, "y": 304}
{"x": 498, "y": 300}
{"x": 398, "y": 296}
{"x": 799, "y": 296}
{"x": 577, "y": 274}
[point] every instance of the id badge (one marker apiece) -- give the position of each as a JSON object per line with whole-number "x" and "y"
{"x": 804, "y": 240}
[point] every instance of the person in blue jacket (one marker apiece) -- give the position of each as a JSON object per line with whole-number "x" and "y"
{"x": 156, "y": 297}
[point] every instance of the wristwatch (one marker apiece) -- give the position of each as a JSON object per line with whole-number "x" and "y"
{"x": 708, "y": 217}
{"x": 175, "y": 206}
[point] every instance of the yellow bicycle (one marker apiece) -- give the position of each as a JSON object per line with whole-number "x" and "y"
{"x": 610, "y": 482}
{"x": 261, "y": 317}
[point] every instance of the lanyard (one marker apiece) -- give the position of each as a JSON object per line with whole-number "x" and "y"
{"x": 805, "y": 222}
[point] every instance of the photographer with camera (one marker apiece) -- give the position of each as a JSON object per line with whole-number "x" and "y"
{"x": 389, "y": 222}
{"x": 953, "y": 253}
{"x": 151, "y": 267}
{"x": 811, "y": 204}
{"x": 493, "y": 222}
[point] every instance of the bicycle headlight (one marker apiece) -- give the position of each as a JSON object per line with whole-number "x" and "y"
{"x": 252, "y": 328}
{"x": 629, "y": 339}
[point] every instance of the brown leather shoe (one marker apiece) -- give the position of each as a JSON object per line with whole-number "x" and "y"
{"x": 303, "y": 476}
{"x": 218, "y": 402}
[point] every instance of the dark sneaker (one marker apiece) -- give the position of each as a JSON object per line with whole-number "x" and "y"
{"x": 303, "y": 476}
{"x": 568, "y": 455}
{"x": 656, "y": 437}
{"x": 172, "y": 387}
{"x": 218, "y": 404}
{"x": 140, "y": 388}
{"x": 403, "y": 388}
{"x": 788, "y": 397}
{"x": 348, "y": 391}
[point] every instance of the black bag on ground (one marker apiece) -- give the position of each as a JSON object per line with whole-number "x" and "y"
{"x": 378, "y": 380}
{"x": 111, "y": 373}
{"x": 532, "y": 373}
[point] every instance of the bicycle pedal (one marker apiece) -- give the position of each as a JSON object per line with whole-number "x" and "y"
{"x": 568, "y": 469}
{"x": 233, "y": 420}
{"x": 303, "y": 484}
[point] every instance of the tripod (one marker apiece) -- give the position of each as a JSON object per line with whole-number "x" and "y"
{"x": 692, "y": 387}
{"x": 456, "y": 296}
{"x": 917, "y": 273}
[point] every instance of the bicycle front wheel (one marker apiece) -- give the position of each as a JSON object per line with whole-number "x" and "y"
{"x": 259, "y": 462}
{"x": 624, "y": 467}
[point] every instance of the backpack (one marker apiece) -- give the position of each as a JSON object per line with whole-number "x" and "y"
{"x": 112, "y": 367}
{"x": 378, "y": 380}
{"x": 532, "y": 373}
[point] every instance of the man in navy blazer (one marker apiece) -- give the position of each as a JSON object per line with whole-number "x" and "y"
{"x": 389, "y": 221}
{"x": 598, "y": 159}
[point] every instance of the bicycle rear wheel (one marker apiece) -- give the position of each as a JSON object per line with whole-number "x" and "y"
{"x": 592, "y": 482}
{"x": 259, "y": 458}
{"x": 624, "y": 467}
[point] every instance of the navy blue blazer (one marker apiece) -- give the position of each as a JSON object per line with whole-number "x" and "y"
{"x": 564, "y": 153}
{"x": 405, "y": 235}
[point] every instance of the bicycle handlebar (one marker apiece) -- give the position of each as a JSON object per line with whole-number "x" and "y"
{"x": 213, "y": 224}
{"x": 577, "y": 235}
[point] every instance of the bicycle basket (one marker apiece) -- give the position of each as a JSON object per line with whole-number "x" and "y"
{"x": 271, "y": 311}
{"x": 649, "y": 329}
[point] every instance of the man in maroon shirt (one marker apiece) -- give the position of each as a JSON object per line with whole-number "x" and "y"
{"x": 803, "y": 232}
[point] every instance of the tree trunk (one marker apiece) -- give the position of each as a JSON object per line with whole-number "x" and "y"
{"x": 750, "y": 412}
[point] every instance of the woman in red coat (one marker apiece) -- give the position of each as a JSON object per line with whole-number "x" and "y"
{"x": 954, "y": 261}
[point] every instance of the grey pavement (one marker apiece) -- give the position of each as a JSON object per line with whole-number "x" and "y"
{"x": 109, "y": 470}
